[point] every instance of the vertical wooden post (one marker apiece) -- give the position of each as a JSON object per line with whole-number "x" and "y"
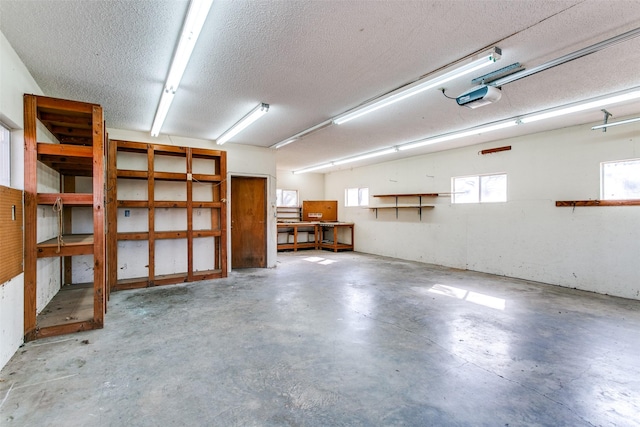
{"x": 189, "y": 215}
{"x": 112, "y": 216}
{"x": 223, "y": 212}
{"x": 30, "y": 215}
{"x": 98, "y": 216}
{"x": 68, "y": 186}
{"x": 151, "y": 197}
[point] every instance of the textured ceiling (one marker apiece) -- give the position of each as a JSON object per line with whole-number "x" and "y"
{"x": 312, "y": 60}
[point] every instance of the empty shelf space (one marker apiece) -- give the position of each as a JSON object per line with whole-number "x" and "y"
{"x": 73, "y": 303}
{"x": 72, "y": 244}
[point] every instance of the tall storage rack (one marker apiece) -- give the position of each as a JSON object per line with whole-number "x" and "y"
{"x": 198, "y": 212}
{"x": 79, "y": 151}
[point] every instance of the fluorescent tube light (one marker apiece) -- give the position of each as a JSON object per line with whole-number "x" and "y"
{"x": 304, "y": 133}
{"x": 313, "y": 168}
{"x": 582, "y": 106}
{"x": 457, "y": 135}
{"x": 621, "y": 122}
{"x": 420, "y": 86}
{"x": 259, "y": 111}
{"x": 283, "y": 143}
{"x": 366, "y": 156}
{"x": 161, "y": 113}
{"x": 193, "y": 22}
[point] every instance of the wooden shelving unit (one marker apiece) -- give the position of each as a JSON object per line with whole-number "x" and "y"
{"x": 78, "y": 151}
{"x": 289, "y": 214}
{"x": 397, "y": 206}
{"x": 201, "y": 178}
{"x": 289, "y": 236}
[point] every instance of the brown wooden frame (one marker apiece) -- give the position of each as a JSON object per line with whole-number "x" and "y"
{"x": 80, "y": 132}
{"x": 217, "y": 206}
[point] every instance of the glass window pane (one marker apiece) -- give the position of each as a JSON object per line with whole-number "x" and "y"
{"x": 351, "y": 197}
{"x": 290, "y": 198}
{"x": 466, "y": 189}
{"x": 363, "y": 197}
{"x": 493, "y": 188}
{"x": 621, "y": 180}
{"x": 286, "y": 198}
{"x": 5, "y": 156}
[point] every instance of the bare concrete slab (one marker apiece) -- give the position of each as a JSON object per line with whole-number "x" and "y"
{"x": 342, "y": 339}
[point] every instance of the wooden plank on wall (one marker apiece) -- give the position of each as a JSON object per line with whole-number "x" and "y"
{"x": 30, "y": 213}
{"x": 11, "y": 231}
{"x": 320, "y": 210}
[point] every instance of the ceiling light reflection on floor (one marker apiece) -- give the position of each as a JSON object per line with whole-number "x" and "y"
{"x": 319, "y": 260}
{"x": 470, "y": 296}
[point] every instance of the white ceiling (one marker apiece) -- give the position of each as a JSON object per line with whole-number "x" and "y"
{"x": 312, "y": 60}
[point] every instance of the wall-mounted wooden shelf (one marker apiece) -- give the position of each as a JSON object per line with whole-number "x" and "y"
{"x": 397, "y": 206}
{"x": 574, "y": 203}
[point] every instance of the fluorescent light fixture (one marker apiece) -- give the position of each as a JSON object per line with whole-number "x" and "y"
{"x": 421, "y": 85}
{"x": 456, "y": 135}
{"x": 259, "y": 111}
{"x": 304, "y": 133}
{"x": 193, "y": 22}
{"x": 582, "y": 106}
{"x": 313, "y": 168}
{"x": 621, "y": 122}
{"x": 161, "y": 113}
{"x": 283, "y": 143}
{"x": 366, "y": 156}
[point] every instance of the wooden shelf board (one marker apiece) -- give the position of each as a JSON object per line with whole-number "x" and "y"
{"x": 68, "y": 199}
{"x": 132, "y": 174}
{"x": 410, "y": 195}
{"x": 200, "y": 177}
{"x": 170, "y": 176}
{"x": 401, "y": 207}
{"x": 136, "y": 235}
{"x": 573, "y": 203}
{"x": 74, "y": 244}
{"x": 133, "y": 204}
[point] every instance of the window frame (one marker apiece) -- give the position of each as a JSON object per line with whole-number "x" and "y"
{"x": 479, "y": 198}
{"x": 280, "y": 198}
{"x": 603, "y": 196}
{"x": 363, "y": 197}
{"x": 5, "y": 155}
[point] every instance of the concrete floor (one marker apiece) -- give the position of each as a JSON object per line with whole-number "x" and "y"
{"x": 338, "y": 340}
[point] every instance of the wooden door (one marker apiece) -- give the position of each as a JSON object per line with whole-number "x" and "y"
{"x": 248, "y": 222}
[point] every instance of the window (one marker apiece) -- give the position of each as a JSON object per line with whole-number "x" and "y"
{"x": 5, "y": 156}
{"x": 479, "y": 189}
{"x": 287, "y": 198}
{"x": 356, "y": 197}
{"x": 620, "y": 180}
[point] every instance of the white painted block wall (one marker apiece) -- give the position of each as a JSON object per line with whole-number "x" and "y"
{"x": 589, "y": 248}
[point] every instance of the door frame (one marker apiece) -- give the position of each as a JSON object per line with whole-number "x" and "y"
{"x": 270, "y": 223}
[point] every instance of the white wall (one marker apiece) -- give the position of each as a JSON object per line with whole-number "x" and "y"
{"x": 242, "y": 160}
{"x": 310, "y": 186}
{"x": 589, "y": 248}
{"x": 15, "y": 80}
